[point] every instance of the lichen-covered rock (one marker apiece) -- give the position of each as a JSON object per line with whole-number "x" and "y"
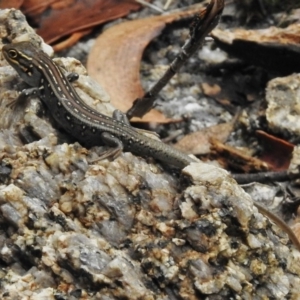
{"x": 283, "y": 109}
{"x": 73, "y": 227}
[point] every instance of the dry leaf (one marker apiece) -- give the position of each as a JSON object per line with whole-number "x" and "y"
{"x": 276, "y": 49}
{"x": 34, "y": 8}
{"x": 70, "y": 16}
{"x": 117, "y": 67}
{"x": 210, "y": 89}
{"x": 76, "y": 16}
{"x": 198, "y": 143}
{"x": 236, "y": 159}
{"x": 11, "y": 4}
{"x": 218, "y": 93}
{"x": 72, "y": 40}
{"x": 296, "y": 229}
{"x": 277, "y": 152}
{"x": 62, "y": 4}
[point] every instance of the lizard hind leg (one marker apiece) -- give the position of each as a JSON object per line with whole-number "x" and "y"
{"x": 115, "y": 144}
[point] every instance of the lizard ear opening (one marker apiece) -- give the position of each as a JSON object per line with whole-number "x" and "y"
{"x": 12, "y": 53}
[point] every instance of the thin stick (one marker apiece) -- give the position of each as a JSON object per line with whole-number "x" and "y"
{"x": 168, "y": 3}
{"x": 264, "y": 177}
{"x": 280, "y": 223}
{"x": 203, "y": 23}
{"x": 154, "y": 7}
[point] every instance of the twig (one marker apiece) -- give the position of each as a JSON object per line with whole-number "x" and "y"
{"x": 154, "y": 7}
{"x": 280, "y": 223}
{"x": 203, "y": 23}
{"x": 168, "y": 3}
{"x": 265, "y": 176}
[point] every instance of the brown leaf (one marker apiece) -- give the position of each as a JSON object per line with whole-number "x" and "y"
{"x": 11, "y": 4}
{"x": 117, "y": 66}
{"x": 71, "y": 40}
{"x": 273, "y": 48}
{"x": 236, "y": 159}
{"x": 218, "y": 93}
{"x": 296, "y": 228}
{"x": 76, "y": 16}
{"x": 198, "y": 143}
{"x": 210, "y": 90}
{"x": 34, "y": 8}
{"x": 277, "y": 152}
{"x": 288, "y": 35}
{"x": 62, "y": 4}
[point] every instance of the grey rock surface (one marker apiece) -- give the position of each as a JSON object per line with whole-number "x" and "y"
{"x": 283, "y": 100}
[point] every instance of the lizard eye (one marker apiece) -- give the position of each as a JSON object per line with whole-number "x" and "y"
{"x": 13, "y": 53}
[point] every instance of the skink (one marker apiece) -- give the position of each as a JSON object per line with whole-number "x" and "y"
{"x": 88, "y": 125}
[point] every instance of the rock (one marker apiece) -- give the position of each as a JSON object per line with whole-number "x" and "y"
{"x": 283, "y": 109}
{"x": 73, "y": 227}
